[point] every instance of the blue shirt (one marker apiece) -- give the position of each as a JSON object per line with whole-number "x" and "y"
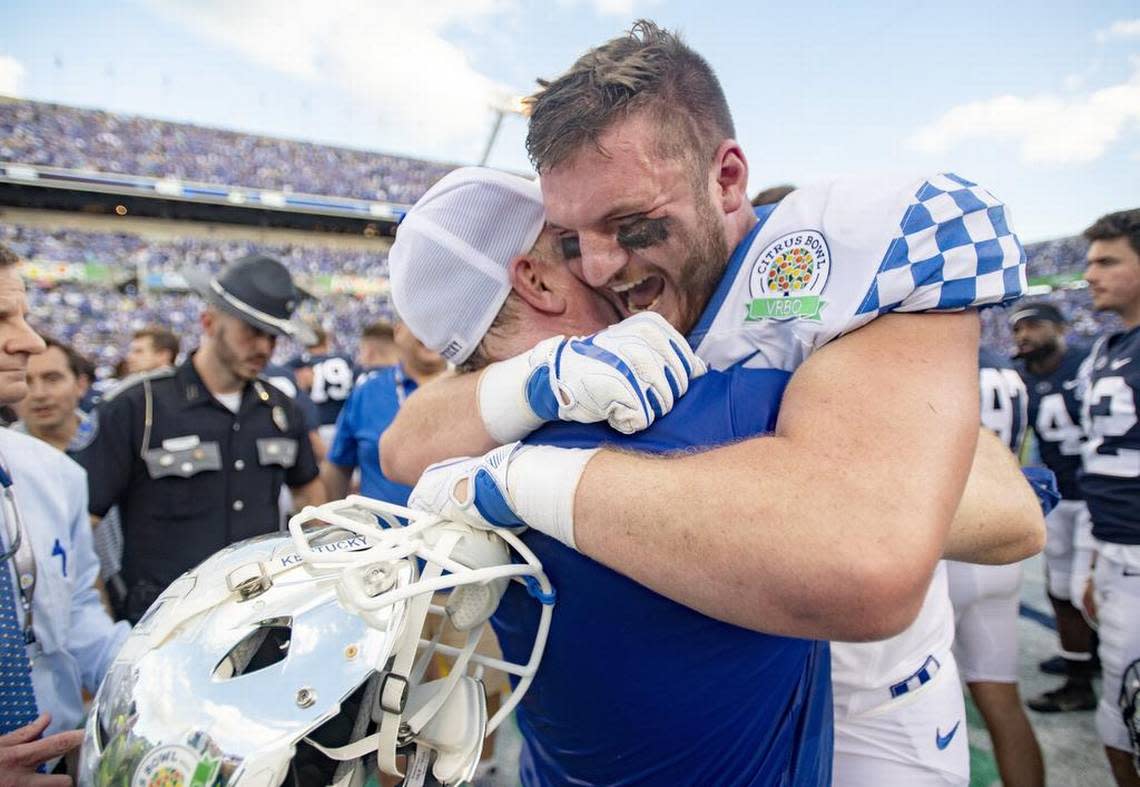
{"x": 370, "y": 409}
{"x": 76, "y": 638}
{"x": 637, "y": 689}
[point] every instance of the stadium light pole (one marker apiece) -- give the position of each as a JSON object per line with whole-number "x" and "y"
{"x": 503, "y": 106}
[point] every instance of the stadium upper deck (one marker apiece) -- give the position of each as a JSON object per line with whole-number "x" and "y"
{"x": 53, "y": 135}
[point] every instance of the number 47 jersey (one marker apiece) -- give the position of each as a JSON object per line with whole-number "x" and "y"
{"x": 1110, "y": 476}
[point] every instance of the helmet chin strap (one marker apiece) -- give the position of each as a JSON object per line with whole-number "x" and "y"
{"x": 434, "y": 711}
{"x": 447, "y": 717}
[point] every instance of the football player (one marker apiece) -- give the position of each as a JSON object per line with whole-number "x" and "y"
{"x": 1111, "y": 474}
{"x": 466, "y": 414}
{"x": 327, "y": 377}
{"x": 1049, "y": 366}
{"x": 864, "y": 288}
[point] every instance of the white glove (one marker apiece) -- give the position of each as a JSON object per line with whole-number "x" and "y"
{"x": 514, "y": 486}
{"x": 628, "y": 375}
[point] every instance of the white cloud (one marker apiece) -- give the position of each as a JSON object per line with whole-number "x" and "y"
{"x": 1125, "y": 28}
{"x": 391, "y": 57}
{"x": 1054, "y": 129}
{"x": 11, "y": 75}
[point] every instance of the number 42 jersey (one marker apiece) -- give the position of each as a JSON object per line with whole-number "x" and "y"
{"x": 1110, "y": 476}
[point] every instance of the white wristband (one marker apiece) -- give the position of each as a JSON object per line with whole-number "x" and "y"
{"x": 543, "y": 481}
{"x": 507, "y": 416}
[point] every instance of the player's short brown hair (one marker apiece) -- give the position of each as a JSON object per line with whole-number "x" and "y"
{"x": 163, "y": 339}
{"x": 648, "y": 69}
{"x": 1122, "y": 224}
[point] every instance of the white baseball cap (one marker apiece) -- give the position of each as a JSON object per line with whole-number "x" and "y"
{"x": 449, "y": 263}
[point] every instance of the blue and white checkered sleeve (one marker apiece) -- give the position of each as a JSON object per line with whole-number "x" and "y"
{"x": 954, "y": 250}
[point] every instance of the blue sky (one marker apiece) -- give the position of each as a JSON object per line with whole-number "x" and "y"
{"x": 1039, "y": 101}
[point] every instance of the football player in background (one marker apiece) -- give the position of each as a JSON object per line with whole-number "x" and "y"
{"x": 377, "y": 348}
{"x": 1111, "y": 481}
{"x": 986, "y": 600}
{"x": 1049, "y": 366}
{"x": 327, "y": 377}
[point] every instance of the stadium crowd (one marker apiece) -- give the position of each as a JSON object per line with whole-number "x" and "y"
{"x": 84, "y": 139}
{"x": 98, "y": 320}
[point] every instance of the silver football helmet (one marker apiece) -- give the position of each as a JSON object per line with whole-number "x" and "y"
{"x": 303, "y": 660}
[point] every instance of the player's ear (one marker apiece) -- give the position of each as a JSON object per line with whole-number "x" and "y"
{"x": 730, "y": 170}
{"x": 530, "y": 280}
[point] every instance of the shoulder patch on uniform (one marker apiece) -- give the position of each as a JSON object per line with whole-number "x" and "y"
{"x": 132, "y": 380}
{"x": 788, "y": 277}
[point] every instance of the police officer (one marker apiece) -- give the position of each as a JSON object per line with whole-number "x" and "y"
{"x": 195, "y": 456}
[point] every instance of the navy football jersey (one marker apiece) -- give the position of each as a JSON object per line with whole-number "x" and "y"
{"x": 333, "y": 378}
{"x": 1111, "y": 454}
{"x": 1004, "y": 401}
{"x": 1055, "y": 417}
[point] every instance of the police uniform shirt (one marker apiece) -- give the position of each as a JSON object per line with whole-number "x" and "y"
{"x": 1110, "y": 477}
{"x": 200, "y": 478}
{"x": 1055, "y": 416}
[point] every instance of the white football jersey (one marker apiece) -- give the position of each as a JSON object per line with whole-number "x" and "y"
{"x": 830, "y": 258}
{"x": 827, "y": 260}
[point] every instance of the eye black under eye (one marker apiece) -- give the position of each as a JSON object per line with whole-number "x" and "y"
{"x": 643, "y": 233}
{"x": 571, "y": 249}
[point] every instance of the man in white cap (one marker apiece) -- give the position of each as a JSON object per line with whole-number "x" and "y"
{"x": 195, "y": 456}
{"x": 610, "y": 626}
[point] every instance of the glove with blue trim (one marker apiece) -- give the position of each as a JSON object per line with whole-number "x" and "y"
{"x": 1044, "y": 485}
{"x": 513, "y": 486}
{"x": 628, "y": 375}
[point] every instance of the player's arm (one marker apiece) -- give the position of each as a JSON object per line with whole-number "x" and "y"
{"x": 310, "y": 494}
{"x": 999, "y": 518}
{"x": 439, "y": 420}
{"x": 336, "y": 479}
{"x": 830, "y": 528}
{"x": 627, "y": 375}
